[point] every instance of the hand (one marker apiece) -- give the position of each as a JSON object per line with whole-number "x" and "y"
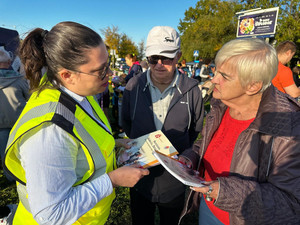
{"x": 123, "y": 143}
{"x": 215, "y": 189}
{"x": 127, "y": 176}
{"x": 185, "y": 161}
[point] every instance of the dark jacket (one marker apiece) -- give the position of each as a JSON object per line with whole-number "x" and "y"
{"x": 134, "y": 70}
{"x": 264, "y": 182}
{"x": 182, "y": 125}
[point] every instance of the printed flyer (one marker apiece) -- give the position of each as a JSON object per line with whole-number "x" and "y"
{"x": 180, "y": 171}
{"x": 142, "y": 148}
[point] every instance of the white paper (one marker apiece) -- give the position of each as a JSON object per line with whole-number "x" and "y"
{"x": 180, "y": 171}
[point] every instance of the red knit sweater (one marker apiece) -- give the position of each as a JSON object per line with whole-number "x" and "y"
{"x": 217, "y": 158}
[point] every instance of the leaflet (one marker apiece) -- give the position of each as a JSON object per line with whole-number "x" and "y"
{"x": 180, "y": 171}
{"x": 142, "y": 149}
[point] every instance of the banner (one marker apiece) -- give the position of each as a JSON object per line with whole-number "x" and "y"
{"x": 257, "y": 23}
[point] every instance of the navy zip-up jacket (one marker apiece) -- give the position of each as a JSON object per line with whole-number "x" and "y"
{"x": 182, "y": 125}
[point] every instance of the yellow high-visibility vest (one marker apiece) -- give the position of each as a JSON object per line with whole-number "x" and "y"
{"x": 97, "y": 142}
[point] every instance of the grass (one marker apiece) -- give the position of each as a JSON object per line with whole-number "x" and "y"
{"x": 8, "y": 192}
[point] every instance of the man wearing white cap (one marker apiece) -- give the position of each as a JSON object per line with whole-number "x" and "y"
{"x": 161, "y": 99}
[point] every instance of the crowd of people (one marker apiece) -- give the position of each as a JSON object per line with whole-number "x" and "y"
{"x": 57, "y": 142}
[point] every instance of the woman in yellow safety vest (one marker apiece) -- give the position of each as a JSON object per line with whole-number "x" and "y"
{"x": 61, "y": 149}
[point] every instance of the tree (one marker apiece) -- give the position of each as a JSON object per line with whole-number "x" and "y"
{"x": 111, "y": 37}
{"x": 211, "y": 23}
{"x": 127, "y": 46}
{"x": 119, "y": 42}
{"x": 288, "y": 22}
{"x": 141, "y": 49}
{"x": 207, "y": 27}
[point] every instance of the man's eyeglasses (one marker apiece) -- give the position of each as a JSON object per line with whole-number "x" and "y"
{"x": 100, "y": 73}
{"x": 164, "y": 60}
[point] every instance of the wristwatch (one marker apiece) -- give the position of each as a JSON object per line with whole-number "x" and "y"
{"x": 208, "y": 198}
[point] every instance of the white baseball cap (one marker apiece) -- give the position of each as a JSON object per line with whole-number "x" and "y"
{"x": 163, "y": 41}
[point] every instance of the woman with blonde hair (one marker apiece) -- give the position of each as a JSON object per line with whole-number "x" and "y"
{"x": 249, "y": 152}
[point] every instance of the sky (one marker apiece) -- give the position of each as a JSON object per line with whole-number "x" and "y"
{"x": 134, "y": 18}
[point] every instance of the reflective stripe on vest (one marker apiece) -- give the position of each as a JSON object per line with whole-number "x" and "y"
{"x": 57, "y": 107}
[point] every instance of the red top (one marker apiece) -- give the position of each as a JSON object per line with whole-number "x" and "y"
{"x": 217, "y": 158}
{"x": 283, "y": 78}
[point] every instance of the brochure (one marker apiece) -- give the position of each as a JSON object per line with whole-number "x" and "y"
{"x": 142, "y": 149}
{"x": 179, "y": 170}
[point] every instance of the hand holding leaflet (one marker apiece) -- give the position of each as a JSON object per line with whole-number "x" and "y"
{"x": 142, "y": 148}
{"x": 180, "y": 171}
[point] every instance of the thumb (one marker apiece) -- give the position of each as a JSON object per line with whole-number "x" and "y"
{"x": 145, "y": 172}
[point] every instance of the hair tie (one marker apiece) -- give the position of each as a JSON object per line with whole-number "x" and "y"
{"x": 44, "y": 33}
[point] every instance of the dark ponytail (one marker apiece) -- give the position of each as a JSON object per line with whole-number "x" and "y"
{"x": 64, "y": 46}
{"x": 131, "y": 56}
{"x": 33, "y": 56}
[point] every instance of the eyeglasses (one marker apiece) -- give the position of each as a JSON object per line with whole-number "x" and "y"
{"x": 101, "y": 73}
{"x": 164, "y": 60}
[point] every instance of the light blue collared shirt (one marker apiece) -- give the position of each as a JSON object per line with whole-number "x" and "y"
{"x": 50, "y": 159}
{"x": 161, "y": 101}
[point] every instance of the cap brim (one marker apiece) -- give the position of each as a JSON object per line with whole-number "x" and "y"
{"x": 153, "y": 50}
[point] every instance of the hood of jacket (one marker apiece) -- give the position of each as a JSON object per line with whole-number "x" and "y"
{"x": 7, "y": 77}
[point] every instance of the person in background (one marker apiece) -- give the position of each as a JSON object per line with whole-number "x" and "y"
{"x": 284, "y": 79}
{"x": 104, "y": 97}
{"x": 14, "y": 92}
{"x": 104, "y": 100}
{"x": 296, "y": 75}
{"x": 183, "y": 68}
{"x": 183, "y": 63}
{"x": 196, "y": 73}
{"x": 134, "y": 66}
{"x": 61, "y": 149}
{"x": 204, "y": 71}
{"x": 200, "y": 62}
{"x": 18, "y": 66}
{"x": 144, "y": 65}
{"x": 116, "y": 100}
{"x": 212, "y": 69}
{"x": 249, "y": 151}
{"x": 161, "y": 99}
{"x": 179, "y": 68}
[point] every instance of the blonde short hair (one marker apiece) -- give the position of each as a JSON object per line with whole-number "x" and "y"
{"x": 253, "y": 59}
